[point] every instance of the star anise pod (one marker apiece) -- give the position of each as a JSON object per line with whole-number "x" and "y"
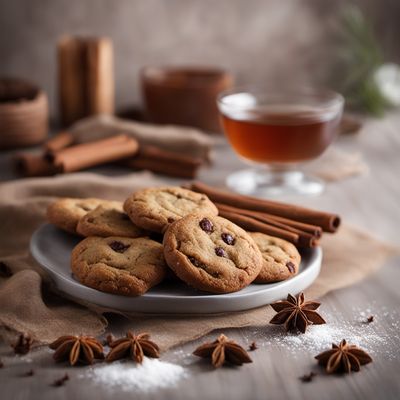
{"x": 23, "y": 344}
{"x": 133, "y": 346}
{"x": 77, "y": 349}
{"x": 223, "y": 350}
{"x": 295, "y": 313}
{"x": 343, "y": 358}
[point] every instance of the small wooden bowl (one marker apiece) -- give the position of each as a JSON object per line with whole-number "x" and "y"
{"x": 23, "y": 114}
{"x": 184, "y": 95}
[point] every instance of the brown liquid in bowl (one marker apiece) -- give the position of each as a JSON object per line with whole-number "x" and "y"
{"x": 280, "y": 137}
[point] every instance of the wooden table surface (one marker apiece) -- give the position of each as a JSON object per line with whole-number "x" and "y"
{"x": 372, "y": 202}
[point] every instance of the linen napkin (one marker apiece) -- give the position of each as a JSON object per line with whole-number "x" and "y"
{"x": 29, "y": 304}
{"x": 178, "y": 139}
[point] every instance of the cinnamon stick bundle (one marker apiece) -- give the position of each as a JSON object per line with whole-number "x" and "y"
{"x": 90, "y": 154}
{"x": 165, "y": 162}
{"x": 327, "y": 221}
{"x": 251, "y": 224}
{"x": 293, "y": 226}
{"x": 252, "y": 221}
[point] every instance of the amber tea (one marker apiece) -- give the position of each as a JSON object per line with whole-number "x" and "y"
{"x": 280, "y": 134}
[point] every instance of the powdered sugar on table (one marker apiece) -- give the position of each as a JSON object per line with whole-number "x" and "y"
{"x": 152, "y": 374}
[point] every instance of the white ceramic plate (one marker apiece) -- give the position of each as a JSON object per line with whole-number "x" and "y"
{"x": 52, "y": 247}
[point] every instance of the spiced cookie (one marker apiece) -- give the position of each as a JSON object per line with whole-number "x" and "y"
{"x": 119, "y": 265}
{"x": 155, "y": 209}
{"x": 211, "y": 253}
{"x": 66, "y": 212}
{"x": 104, "y": 222}
{"x": 281, "y": 258}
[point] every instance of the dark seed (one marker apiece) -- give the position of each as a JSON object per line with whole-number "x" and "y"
{"x": 291, "y": 267}
{"x": 119, "y": 247}
{"x": 308, "y": 377}
{"x": 170, "y": 220}
{"x": 220, "y": 252}
{"x": 206, "y": 225}
{"x": 253, "y": 346}
{"x": 5, "y": 271}
{"x": 228, "y": 238}
{"x": 91, "y": 220}
{"x": 31, "y": 372}
{"x": 61, "y": 381}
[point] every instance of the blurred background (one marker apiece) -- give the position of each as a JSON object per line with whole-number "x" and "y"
{"x": 257, "y": 40}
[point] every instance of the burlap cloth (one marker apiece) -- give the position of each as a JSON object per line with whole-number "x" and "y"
{"x": 27, "y": 303}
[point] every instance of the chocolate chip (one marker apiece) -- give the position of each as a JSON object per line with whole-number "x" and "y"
{"x": 220, "y": 252}
{"x": 228, "y": 238}
{"x": 119, "y": 247}
{"x": 291, "y": 267}
{"x": 178, "y": 196}
{"x": 206, "y": 225}
{"x": 196, "y": 262}
{"x": 170, "y": 220}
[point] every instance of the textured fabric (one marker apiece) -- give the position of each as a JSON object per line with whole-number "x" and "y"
{"x": 178, "y": 139}
{"x": 28, "y": 303}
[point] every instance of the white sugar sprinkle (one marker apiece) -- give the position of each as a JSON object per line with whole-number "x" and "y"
{"x": 356, "y": 331}
{"x": 152, "y": 374}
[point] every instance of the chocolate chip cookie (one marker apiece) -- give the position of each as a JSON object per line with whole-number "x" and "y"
{"x": 211, "y": 253}
{"x": 66, "y": 212}
{"x": 104, "y": 222}
{"x": 155, "y": 209}
{"x": 281, "y": 258}
{"x": 119, "y": 265}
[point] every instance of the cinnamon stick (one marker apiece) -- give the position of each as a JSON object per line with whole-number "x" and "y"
{"x": 165, "y": 162}
{"x": 30, "y": 165}
{"x": 90, "y": 154}
{"x": 305, "y": 239}
{"x": 327, "y": 221}
{"x": 293, "y": 226}
{"x": 252, "y": 225}
{"x": 59, "y": 141}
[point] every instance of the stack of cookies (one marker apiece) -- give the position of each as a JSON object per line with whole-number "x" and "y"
{"x": 169, "y": 231}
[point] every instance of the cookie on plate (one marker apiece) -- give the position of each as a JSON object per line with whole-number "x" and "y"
{"x": 281, "y": 258}
{"x": 211, "y": 253}
{"x": 156, "y": 208}
{"x": 66, "y": 212}
{"x": 104, "y": 222}
{"x": 119, "y": 265}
